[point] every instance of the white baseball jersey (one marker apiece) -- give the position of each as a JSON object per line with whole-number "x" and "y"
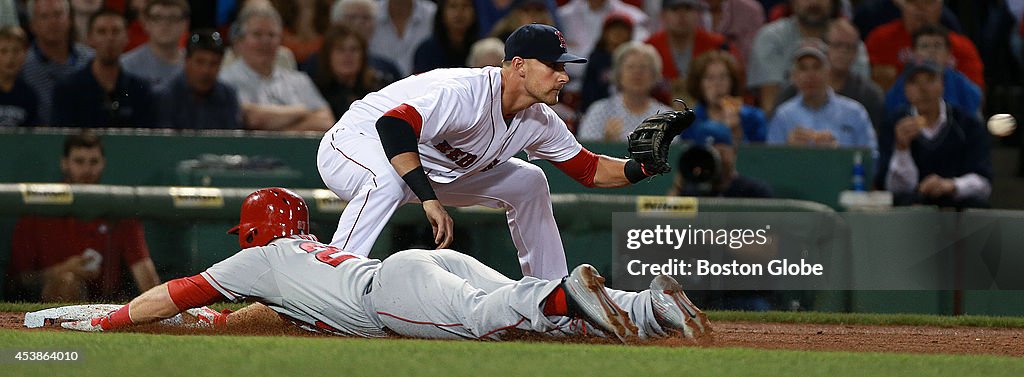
{"x": 461, "y": 128}
{"x": 318, "y": 285}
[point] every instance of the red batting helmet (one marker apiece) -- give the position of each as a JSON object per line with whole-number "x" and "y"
{"x": 271, "y": 213}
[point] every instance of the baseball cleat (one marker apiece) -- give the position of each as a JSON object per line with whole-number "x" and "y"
{"x": 674, "y": 310}
{"x": 586, "y": 298}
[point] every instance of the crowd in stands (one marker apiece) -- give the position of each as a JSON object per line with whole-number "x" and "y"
{"x": 824, "y": 73}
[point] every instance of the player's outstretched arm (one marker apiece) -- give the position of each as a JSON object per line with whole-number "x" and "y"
{"x": 594, "y": 170}
{"x": 163, "y": 301}
{"x": 611, "y": 172}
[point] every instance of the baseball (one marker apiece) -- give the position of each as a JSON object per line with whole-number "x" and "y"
{"x": 1001, "y": 124}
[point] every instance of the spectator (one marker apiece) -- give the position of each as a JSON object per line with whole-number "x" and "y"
{"x": 102, "y": 94}
{"x": 273, "y": 98}
{"x": 682, "y": 40}
{"x": 618, "y": 29}
{"x": 70, "y": 259}
{"x": 738, "y": 21}
{"x": 635, "y": 71}
{"x": 283, "y": 57}
{"x": 53, "y": 54}
{"x": 715, "y": 83}
{"x": 359, "y": 16}
{"x": 873, "y": 13}
{"x": 487, "y": 52}
{"x": 723, "y": 180}
{"x": 890, "y": 44}
{"x": 781, "y": 10}
{"x": 402, "y": 26}
{"x": 775, "y": 43}
{"x": 455, "y": 31}
{"x": 194, "y": 98}
{"x": 842, "y": 51}
{"x": 344, "y": 75}
{"x": 523, "y": 12}
{"x": 582, "y": 24}
{"x": 82, "y": 10}
{"x": 490, "y": 13}
{"x": 161, "y": 57}
{"x": 18, "y": 103}
{"x": 819, "y": 116}
{"x": 304, "y": 24}
{"x": 932, "y": 43}
{"x": 931, "y": 152}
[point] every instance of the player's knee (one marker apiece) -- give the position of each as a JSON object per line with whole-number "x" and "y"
{"x": 389, "y": 192}
{"x": 533, "y": 186}
{"x": 532, "y": 177}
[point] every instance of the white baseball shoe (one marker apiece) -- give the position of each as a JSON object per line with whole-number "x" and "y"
{"x": 586, "y": 298}
{"x": 674, "y": 310}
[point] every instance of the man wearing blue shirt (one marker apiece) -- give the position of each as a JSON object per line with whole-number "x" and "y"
{"x": 195, "y": 98}
{"x": 818, "y": 116}
{"x": 53, "y": 54}
{"x": 101, "y": 94}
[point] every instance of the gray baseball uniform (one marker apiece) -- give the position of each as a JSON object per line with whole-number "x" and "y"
{"x": 417, "y": 293}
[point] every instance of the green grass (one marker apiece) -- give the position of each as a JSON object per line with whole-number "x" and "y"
{"x": 107, "y": 354}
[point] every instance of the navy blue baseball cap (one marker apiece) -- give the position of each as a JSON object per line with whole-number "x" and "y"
{"x": 541, "y": 42}
{"x": 926, "y": 65}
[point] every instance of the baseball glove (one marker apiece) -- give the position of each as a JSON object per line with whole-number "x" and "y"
{"x": 648, "y": 143}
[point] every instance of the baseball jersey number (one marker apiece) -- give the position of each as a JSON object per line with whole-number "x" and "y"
{"x": 327, "y": 254}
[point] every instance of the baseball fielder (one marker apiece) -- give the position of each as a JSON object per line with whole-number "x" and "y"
{"x": 416, "y": 293}
{"x": 448, "y": 136}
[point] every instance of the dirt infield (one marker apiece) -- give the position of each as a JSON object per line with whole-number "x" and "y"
{"x": 811, "y": 337}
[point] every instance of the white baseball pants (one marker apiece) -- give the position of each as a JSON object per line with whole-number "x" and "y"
{"x": 354, "y": 167}
{"x": 444, "y": 294}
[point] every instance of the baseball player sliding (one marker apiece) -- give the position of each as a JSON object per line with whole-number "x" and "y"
{"x": 415, "y": 293}
{"x": 448, "y": 137}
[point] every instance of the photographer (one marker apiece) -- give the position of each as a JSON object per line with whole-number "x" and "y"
{"x": 708, "y": 167}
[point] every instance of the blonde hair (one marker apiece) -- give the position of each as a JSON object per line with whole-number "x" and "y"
{"x": 483, "y": 48}
{"x": 641, "y": 48}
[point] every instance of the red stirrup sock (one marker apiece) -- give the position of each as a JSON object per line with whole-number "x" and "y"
{"x": 115, "y": 319}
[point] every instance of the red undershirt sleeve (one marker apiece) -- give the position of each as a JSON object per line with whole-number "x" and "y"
{"x": 582, "y": 167}
{"x": 409, "y": 115}
{"x": 192, "y": 292}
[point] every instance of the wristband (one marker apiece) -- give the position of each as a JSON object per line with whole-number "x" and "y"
{"x": 420, "y": 184}
{"x": 634, "y": 171}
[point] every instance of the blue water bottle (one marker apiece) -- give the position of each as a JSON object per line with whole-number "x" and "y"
{"x": 858, "y": 172}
